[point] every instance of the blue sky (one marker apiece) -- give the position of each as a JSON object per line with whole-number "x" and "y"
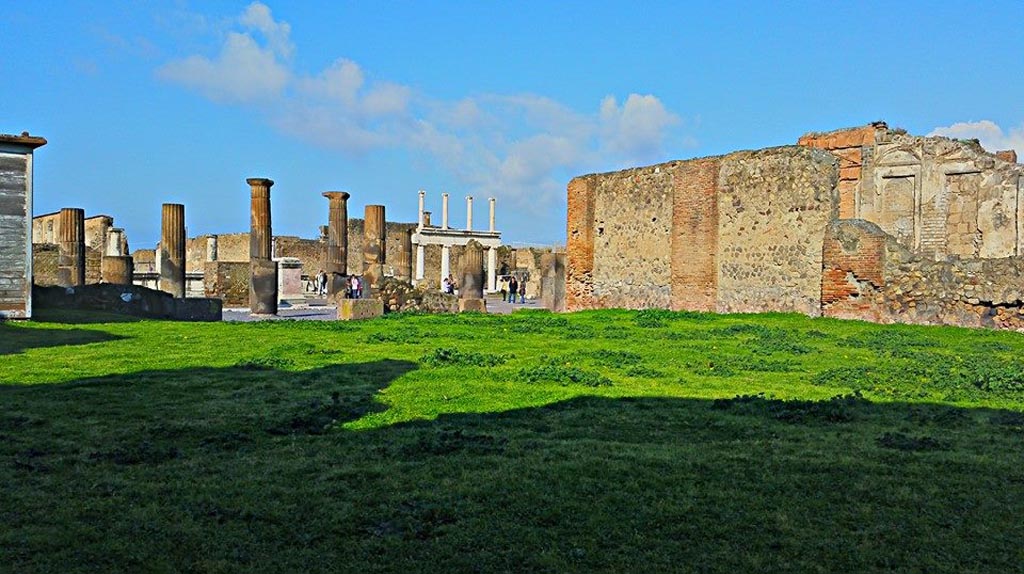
{"x": 168, "y": 101}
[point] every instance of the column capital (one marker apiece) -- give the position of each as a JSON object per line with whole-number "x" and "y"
{"x": 259, "y": 182}
{"x": 337, "y": 195}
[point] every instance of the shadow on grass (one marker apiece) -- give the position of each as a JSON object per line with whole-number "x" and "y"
{"x": 76, "y": 317}
{"x": 15, "y": 339}
{"x": 246, "y": 470}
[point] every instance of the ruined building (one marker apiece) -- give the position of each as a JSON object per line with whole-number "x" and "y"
{"x": 865, "y": 223}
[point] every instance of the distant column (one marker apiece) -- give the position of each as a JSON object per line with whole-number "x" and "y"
{"x": 403, "y": 266}
{"x": 419, "y": 220}
{"x": 116, "y": 243}
{"x": 374, "y": 244}
{"x": 337, "y": 241}
{"x": 116, "y": 269}
{"x": 446, "y": 263}
{"x": 491, "y": 228}
{"x": 71, "y": 254}
{"x": 172, "y": 250}
{"x": 492, "y": 272}
{"x": 471, "y": 278}
{"x": 211, "y": 248}
{"x": 421, "y": 261}
{"x": 444, "y": 211}
{"x": 469, "y": 213}
{"x": 263, "y": 281}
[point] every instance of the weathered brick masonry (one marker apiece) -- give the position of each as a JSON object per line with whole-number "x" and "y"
{"x": 866, "y": 223}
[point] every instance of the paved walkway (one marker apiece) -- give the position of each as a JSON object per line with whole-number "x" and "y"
{"x": 319, "y": 310}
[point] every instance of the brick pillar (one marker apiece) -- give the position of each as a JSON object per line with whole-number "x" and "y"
{"x": 117, "y": 269}
{"x": 471, "y": 278}
{"x": 403, "y": 265}
{"x": 172, "y": 250}
{"x": 337, "y": 241}
{"x": 71, "y": 254}
{"x": 263, "y": 280}
{"x": 579, "y": 245}
{"x": 374, "y": 236}
{"x": 694, "y": 242}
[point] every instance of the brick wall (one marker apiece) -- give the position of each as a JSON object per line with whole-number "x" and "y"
{"x": 853, "y": 274}
{"x": 847, "y": 145}
{"x": 229, "y": 281}
{"x": 579, "y": 246}
{"x": 695, "y": 235}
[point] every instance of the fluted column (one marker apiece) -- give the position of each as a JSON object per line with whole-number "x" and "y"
{"x": 471, "y": 272}
{"x": 337, "y": 241}
{"x": 172, "y": 250}
{"x": 469, "y": 213}
{"x": 374, "y": 237}
{"x": 444, "y": 211}
{"x": 263, "y": 281}
{"x": 403, "y": 265}
{"x": 71, "y": 254}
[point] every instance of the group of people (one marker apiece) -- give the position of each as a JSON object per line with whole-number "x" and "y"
{"x": 353, "y": 285}
{"x": 448, "y": 285}
{"x": 510, "y": 287}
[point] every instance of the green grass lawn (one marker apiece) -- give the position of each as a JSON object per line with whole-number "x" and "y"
{"x": 607, "y": 441}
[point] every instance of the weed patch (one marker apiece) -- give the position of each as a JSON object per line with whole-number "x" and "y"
{"x": 451, "y": 356}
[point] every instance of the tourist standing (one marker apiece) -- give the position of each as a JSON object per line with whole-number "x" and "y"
{"x": 504, "y": 288}
{"x": 513, "y": 286}
{"x": 321, "y": 283}
{"x": 522, "y": 292}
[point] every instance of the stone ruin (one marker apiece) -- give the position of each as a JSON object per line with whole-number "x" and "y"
{"x": 864, "y": 223}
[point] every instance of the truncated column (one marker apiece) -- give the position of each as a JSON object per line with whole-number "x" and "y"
{"x": 117, "y": 269}
{"x": 471, "y": 278}
{"x": 263, "y": 281}
{"x": 172, "y": 250}
{"x": 71, "y": 254}
{"x": 337, "y": 241}
{"x": 403, "y": 267}
{"x": 374, "y": 236}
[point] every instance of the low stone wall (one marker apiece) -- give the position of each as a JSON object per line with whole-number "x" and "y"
{"x": 868, "y": 275}
{"x": 130, "y": 300}
{"x": 400, "y": 296}
{"x": 228, "y": 281}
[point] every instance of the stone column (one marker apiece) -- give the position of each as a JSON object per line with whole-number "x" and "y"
{"x": 419, "y": 220}
{"x": 444, "y": 211}
{"x": 491, "y": 228}
{"x": 71, "y": 254}
{"x": 263, "y": 280}
{"x": 211, "y": 248}
{"x": 116, "y": 244}
{"x": 403, "y": 267}
{"x": 337, "y": 241}
{"x": 421, "y": 261}
{"x": 172, "y": 250}
{"x": 469, "y": 213}
{"x": 471, "y": 278}
{"x": 446, "y": 263}
{"x": 492, "y": 271}
{"x": 374, "y": 245}
{"x": 117, "y": 269}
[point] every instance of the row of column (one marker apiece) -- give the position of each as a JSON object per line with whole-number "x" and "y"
{"x": 114, "y": 267}
{"x": 422, "y": 219}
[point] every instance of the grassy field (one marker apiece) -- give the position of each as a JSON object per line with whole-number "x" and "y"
{"x": 605, "y": 441}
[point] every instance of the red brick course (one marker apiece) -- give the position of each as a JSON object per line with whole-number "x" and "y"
{"x": 579, "y": 269}
{"x": 695, "y": 235}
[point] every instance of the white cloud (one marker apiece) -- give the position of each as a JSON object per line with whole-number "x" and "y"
{"x": 991, "y": 136}
{"x": 242, "y": 72}
{"x": 521, "y": 147}
{"x": 637, "y": 129}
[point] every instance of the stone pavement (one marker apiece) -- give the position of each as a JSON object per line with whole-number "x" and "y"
{"x": 319, "y": 310}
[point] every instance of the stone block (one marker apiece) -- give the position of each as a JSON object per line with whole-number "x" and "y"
{"x": 357, "y": 309}
{"x": 473, "y": 305}
{"x": 263, "y": 287}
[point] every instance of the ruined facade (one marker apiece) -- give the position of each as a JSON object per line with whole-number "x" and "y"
{"x": 16, "y": 155}
{"x": 865, "y": 223}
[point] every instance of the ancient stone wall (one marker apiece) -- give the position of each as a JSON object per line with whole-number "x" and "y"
{"x": 736, "y": 233}
{"x": 45, "y": 259}
{"x": 312, "y": 252}
{"x": 870, "y": 275}
{"x": 938, "y": 197}
{"x": 773, "y": 207}
{"x": 46, "y": 230}
{"x": 228, "y": 280}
